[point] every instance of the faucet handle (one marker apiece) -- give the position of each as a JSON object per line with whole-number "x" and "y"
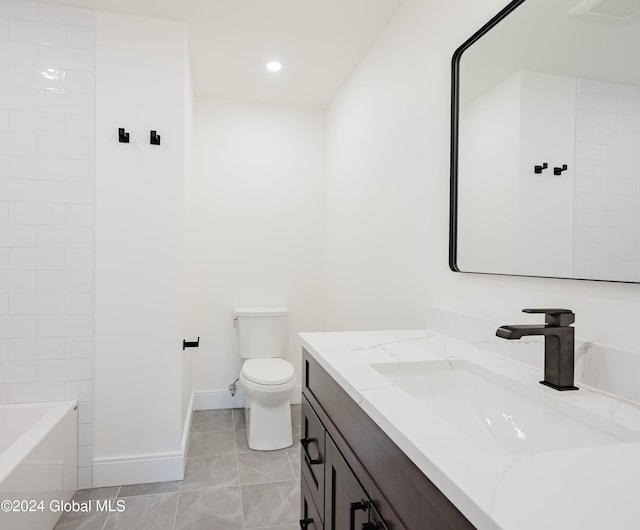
{"x": 555, "y": 316}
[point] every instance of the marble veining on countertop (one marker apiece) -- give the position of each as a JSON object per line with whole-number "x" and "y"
{"x": 590, "y": 487}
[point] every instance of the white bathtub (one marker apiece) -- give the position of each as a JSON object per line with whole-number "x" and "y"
{"x": 38, "y": 463}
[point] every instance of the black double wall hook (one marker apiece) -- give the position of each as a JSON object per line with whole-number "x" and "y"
{"x": 559, "y": 170}
{"x": 123, "y": 137}
{"x": 539, "y": 169}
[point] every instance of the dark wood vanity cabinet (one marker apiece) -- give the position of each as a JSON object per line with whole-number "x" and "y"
{"x": 354, "y": 477}
{"x": 310, "y": 518}
{"x": 312, "y": 459}
{"x": 347, "y": 505}
{"x": 332, "y": 497}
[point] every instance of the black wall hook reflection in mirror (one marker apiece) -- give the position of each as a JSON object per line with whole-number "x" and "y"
{"x": 539, "y": 169}
{"x": 154, "y": 138}
{"x": 123, "y": 136}
{"x": 559, "y": 170}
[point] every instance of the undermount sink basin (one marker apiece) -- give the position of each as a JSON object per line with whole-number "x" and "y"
{"x": 498, "y": 416}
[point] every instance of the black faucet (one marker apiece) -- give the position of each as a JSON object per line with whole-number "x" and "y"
{"x": 558, "y": 345}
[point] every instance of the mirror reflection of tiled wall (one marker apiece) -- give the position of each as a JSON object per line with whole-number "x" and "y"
{"x": 607, "y": 181}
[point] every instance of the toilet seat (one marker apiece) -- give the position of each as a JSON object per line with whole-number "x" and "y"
{"x": 268, "y": 371}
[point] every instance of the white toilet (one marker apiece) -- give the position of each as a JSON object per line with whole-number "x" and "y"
{"x": 267, "y": 379}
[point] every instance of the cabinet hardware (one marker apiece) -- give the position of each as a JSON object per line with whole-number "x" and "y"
{"x": 123, "y": 136}
{"x": 154, "y": 138}
{"x": 355, "y": 506}
{"x": 305, "y": 442}
{"x": 304, "y": 523}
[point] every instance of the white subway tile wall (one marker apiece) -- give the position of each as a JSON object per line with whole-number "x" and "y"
{"x": 47, "y": 152}
{"x": 607, "y": 198}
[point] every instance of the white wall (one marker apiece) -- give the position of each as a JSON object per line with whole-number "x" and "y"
{"x": 378, "y": 211}
{"x": 255, "y": 227}
{"x": 187, "y": 364}
{"x": 140, "y": 85}
{"x": 46, "y": 209}
{"x": 388, "y": 186}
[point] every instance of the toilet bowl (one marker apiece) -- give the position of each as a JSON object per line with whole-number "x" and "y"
{"x": 267, "y": 379}
{"x": 268, "y": 384}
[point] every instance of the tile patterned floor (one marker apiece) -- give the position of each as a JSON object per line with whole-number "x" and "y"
{"x": 226, "y": 486}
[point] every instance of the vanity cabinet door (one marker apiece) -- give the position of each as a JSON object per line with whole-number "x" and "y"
{"x": 346, "y": 503}
{"x": 312, "y": 447}
{"x": 310, "y": 518}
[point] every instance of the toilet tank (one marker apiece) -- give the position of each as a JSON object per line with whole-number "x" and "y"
{"x": 262, "y": 331}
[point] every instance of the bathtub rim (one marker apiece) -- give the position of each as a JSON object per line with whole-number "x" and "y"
{"x": 27, "y": 442}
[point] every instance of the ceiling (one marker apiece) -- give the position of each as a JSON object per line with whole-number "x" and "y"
{"x": 318, "y": 42}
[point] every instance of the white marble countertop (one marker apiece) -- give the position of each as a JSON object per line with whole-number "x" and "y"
{"x": 594, "y": 487}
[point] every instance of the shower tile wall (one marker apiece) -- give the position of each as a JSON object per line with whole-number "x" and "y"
{"x": 607, "y": 195}
{"x": 47, "y": 151}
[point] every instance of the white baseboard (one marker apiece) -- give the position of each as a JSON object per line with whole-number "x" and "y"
{"x": 146, "y": 468}
{"x": 138, "y": 469}
{"x": 142, "y": 469}
{"x": 222, "y": 399}
{"x": 218, "y": 399}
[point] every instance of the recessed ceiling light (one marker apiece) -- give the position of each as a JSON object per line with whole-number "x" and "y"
{"x": 274, "y": 66}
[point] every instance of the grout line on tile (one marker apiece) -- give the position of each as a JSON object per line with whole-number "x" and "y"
{"x": 175, "y": 516}
{"x": 271, "y": 482}
{"x": 295, "y": 474}
{"x": 106, "y": 518}
{"x": 235, "y": 445}
{"x": 267, "y": 526}
{"x": 151, "y": 492}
